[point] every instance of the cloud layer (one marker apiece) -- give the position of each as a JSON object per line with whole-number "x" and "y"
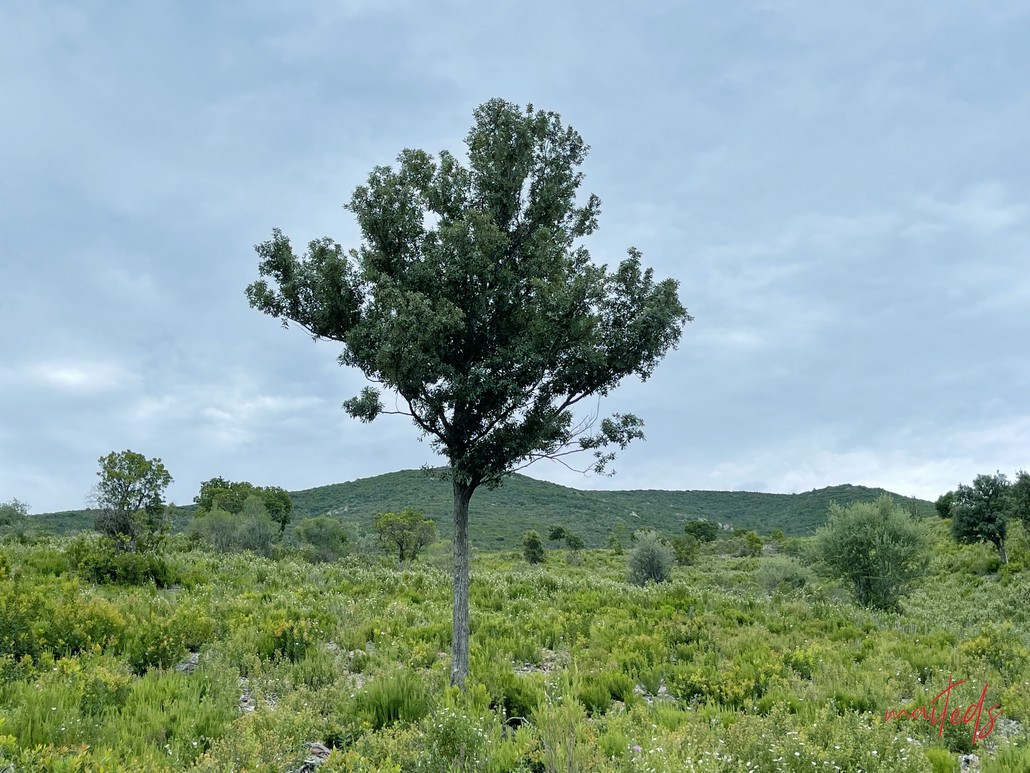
{"x": 841, "y": 192}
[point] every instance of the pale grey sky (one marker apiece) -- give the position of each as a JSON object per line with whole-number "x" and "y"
{"x": 841, "y": 190}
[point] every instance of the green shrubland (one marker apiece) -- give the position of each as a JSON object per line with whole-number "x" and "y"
{"x": 223, "y": 661}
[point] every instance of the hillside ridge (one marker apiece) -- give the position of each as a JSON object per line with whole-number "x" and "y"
{"x": 501, "y": 517}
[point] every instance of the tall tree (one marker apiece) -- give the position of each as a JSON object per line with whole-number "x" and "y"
{"x": 129, "y": 497}
{"x": 470, "y": 298}
{"x": 980, "y": 512}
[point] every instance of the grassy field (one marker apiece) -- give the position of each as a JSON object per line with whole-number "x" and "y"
{"x": 737, "y": 664}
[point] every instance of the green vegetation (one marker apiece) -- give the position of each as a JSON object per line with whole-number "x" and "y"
{"x": 533, "y": 548}
{"x": 596, "y": 516}
{"x": 651, "y": 560}
{"x": 979, "y": 513}
{"x": 244, "y": 498}
{"x": 13, "y": 515}
{"x": 130, "y": 500}
{"x": 702, "y": 531}
{"x": 405, "y": 533}
{"x": 877, "y": 547}
{"x": 473, "y": 301}
{"x": 234, "y": 661}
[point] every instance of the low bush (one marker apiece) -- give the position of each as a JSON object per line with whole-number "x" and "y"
{"x": 651, "y": 560}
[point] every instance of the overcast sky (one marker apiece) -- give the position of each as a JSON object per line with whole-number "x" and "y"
{"x": 841, "y": 190}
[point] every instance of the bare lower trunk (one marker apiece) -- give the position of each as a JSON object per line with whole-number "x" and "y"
{"x": 460, "y": 634}
{"x": 1002, "y": 554}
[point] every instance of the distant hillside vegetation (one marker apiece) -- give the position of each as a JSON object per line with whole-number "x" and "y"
{"x": 499, "y": 519}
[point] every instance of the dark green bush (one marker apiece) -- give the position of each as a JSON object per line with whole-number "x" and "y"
{"x": 101, "y": 560}
{"x": 533, "y": 548}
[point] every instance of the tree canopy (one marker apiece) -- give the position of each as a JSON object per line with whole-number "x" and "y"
{"x": 232, "y": 497}
{"x": 980, "y": 512}
{"x": 130, "y": 497}
{"x": 405, "y": 533}
{"x": 470, "y": 300}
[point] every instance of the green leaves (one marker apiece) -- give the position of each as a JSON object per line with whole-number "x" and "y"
{"x": 979, "y": 512}
{"x": 876, "y": 546}
{"x": 406, "y": 532}
{"x": 129, "y": 497}
{"x": 468, "y": 298}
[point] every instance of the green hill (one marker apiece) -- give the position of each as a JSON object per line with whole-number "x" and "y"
{"x": 500, "y": 518}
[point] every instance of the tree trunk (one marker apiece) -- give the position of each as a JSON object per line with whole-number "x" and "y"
{"x": 1001, "y": 552}
{"x": 460, "y": 633}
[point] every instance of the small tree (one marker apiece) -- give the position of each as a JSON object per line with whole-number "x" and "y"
{"x": 279, "y": 505}
{"x": 651, "y": 559}
{"x": 752, "y": 544}
{"x": 130, "y": 499}
{"x": 686, "y": 548}
{"x": 702, "y": 531}
{"x": 406, "y": 532}
{"x": 533, "y": 548}
{"x": 556, "y": 534}
{"x": 573, "y": 541}
{"x": 13, "y": 514}
{"x": 877, "y": 546}
{"x": 980, "y": 511}
{"x": 944, "y": 503}
{"x": 618, "y": 537}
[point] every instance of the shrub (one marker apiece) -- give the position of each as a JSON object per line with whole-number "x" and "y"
{"x": 687, "y": 549}
{"x": 651, "y": 559}
{"x": 256, "y": 534}
{"x": 877, "y": 546}
{"x": 100, "y": 560}
{"x": 401, "y": 697}
{"x": 533, "y": 548}
{"x": 702, "y": 531}
{"x": 782, "y": 574}
{"x": 324, "y": 539}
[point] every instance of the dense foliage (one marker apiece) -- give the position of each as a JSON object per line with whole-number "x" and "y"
{"x": 405, "y": 533}
{"x": 734, "y": 665}
{"x": 651, "y": 560}
{"x": 979, "y": 512}
{"x": 233, "y": 496}
{"x": 129, "y": 498}
{"x": 877, "y": 547}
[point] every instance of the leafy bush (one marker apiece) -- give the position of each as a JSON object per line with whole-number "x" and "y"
{"x": 101, "y": 560}
{"x": 779, "y": 574}
{"x": 702, "y": 531}
{"x": 687, "y": 549}
{"x": 533, "y": 548}
{"x": 256, "y": 535}
{"x": 324, "y": 539}
{"x": 651, "y": 559}
{"x": 877, "y": 546}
